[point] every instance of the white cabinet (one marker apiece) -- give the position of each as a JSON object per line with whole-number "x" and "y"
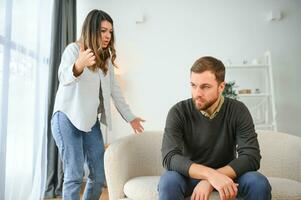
{"x": 259, "y": 79}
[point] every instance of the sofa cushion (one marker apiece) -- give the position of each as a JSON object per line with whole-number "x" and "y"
{"x": 145, "y": 187}
{"x": 284, "y": 189}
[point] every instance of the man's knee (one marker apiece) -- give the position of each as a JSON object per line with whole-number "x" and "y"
{"x": 171, "y": 182}
{"x": 256, "y": 182}
{"x": 261, "y": 185}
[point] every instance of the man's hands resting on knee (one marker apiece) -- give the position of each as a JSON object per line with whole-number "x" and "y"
{"x": 202, "y": 191}
{"x": 220, "y": 179}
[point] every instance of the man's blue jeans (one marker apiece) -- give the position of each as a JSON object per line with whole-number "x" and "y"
{"x": 77, "y": 147}
{"x": 252, "y": 186}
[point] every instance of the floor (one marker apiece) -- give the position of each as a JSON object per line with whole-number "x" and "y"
{"x": 104, "y": 195}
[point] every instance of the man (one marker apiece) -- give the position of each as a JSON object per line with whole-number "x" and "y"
{"x": 202, "y": 136}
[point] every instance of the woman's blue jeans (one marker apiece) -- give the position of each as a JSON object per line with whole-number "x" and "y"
{"x": 252, "y": 186}
{"x": 76, "y": 148}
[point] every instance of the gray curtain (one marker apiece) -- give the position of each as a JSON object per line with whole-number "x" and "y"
{"x": 63, "y": 33}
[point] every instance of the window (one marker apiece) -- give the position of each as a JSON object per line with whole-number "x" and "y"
{"x": 1, "y": 74}
{"x": 1, "y": 47}
{"x": 26, "y": 79}
{"x": 2, "y": 6}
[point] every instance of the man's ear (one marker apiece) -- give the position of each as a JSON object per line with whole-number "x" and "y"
{"x": 221, "y": 87}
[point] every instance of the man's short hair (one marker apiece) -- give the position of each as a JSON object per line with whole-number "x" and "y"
{"x": 208, "y": 63}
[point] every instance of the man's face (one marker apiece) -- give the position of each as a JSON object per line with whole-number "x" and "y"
{"x": 205, "y": 89}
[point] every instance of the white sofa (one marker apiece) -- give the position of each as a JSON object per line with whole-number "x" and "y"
{"x": 133, "y": 166}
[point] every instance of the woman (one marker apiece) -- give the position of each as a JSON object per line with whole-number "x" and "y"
{"x": 87, "y": 81}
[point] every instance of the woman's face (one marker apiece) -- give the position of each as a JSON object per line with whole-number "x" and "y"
{"x": 106, "y": 33}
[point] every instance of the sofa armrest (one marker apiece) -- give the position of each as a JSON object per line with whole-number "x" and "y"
{"x": 280, "y": 155}
{"x": 132, "y": 156}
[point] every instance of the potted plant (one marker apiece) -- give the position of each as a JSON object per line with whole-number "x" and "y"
{"x": 229, "y": 90}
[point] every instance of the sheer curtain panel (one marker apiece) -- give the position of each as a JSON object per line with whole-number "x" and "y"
{"x": 25, "y": 32}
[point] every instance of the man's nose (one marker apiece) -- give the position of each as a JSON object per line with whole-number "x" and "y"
{"x": 199, "y": 91}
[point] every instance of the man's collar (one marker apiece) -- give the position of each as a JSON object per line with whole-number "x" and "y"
{"x": 214, "y": 109}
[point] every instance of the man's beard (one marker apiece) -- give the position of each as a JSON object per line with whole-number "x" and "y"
{"x": 205, "y": 105}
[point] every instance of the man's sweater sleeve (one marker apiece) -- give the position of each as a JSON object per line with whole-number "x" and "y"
{"x": 172, "y": 145}
{"x": 247, "y": 144}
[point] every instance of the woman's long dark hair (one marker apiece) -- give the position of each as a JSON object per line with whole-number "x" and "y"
{"x": 91, "y": 38}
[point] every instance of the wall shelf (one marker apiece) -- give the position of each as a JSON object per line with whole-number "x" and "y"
{"x": 254, "y": 95}
{"x": 248, "y": 66}
{"x": 256, "y": 77}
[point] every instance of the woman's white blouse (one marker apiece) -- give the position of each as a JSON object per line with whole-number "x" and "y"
{"x": 80, "y": 97}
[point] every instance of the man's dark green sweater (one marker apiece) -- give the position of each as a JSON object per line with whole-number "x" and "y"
{"x": 190, "y": 137}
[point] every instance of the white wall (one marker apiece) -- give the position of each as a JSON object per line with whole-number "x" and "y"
{"x": 155, "y": 56}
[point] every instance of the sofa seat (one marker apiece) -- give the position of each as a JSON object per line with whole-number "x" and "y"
{"x": 282, "y": 188}
{"x": 146, "y": 185}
